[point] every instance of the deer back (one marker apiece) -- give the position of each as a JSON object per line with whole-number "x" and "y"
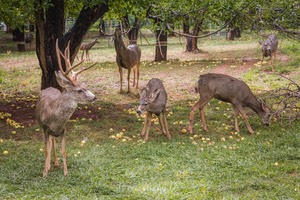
{"x": 229, "y": 89}
{"x": 153, "y": 97}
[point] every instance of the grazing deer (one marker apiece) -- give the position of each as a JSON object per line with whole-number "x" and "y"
{"x": 228, "y": 89}
{"x": 127, "y": 57}
{"x": 153, "y": 100}
{"x": 85, "y": 47}
{"x": 269, "y": 48}
{"x": 55, "y": 108}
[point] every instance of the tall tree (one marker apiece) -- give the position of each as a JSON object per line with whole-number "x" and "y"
{"x": 50, "y": 26}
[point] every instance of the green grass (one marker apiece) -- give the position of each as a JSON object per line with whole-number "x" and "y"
{"x": 221, "y": 164}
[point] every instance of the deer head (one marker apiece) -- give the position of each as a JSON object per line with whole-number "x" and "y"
{"x": 266, "y": 114}
{"x": 68, "y": 79}
{"x": 147, "y": 99}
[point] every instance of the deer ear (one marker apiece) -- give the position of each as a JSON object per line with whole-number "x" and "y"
{"x": 153, "y": 96}
{"x": 143, "y": 92}
{"x": 61, "y": 80}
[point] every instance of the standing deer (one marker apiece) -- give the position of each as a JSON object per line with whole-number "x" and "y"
{"x": 228, "y": 89}
{"x": 153, "y": 100}
{"x": 269, "y": 48}
{"x": 55, "y": 108}
{"x": 127, "y": 57}
{"x": 86, "y": 47}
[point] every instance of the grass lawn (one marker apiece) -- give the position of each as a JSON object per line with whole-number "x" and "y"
{"x": 106, "y": 157}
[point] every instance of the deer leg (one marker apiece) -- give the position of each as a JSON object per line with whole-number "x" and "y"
{"x": 145, "y": 125}
{"x": 134, "y": 73}
{"x": 47, "y": 155}
{"x": 243, "y": 113}
{"x": 54, "y": 152}
{"x": 137, "y": 75}
{"x": 200, "y": 103}
{"x": 192, "y": 116}
{"x": 82, "y": 54}
{"x": 202, "y": 117}
{"x": 271, "y": 60}
{"x": 128, "y": 80}
{"x": 236, "y": 114}
{"x": 148, "y": 126}
{"x": 63, "y": 152}
{"x": 121, "y": 78}
{"x": 262, "y": 60}
{"x": 166, "y": 124}
{"x": 162, "y": 127}
{"x": 87, "y": 55}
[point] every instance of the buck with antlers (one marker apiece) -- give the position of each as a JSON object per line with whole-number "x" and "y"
{"x": 228, "y": 89}
{"x": 85, "y": 47}
{"x": 54, "y": 108}
{"x": 127, "y": 57}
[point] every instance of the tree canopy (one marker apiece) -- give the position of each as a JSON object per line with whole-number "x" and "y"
{"x": 49, "y": 15}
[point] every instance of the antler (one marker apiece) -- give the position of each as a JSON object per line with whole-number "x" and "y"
{"x": 66, "y": 56}
{"x": 111, "y": 35}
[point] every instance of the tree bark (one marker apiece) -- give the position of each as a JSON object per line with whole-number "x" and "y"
{"x": 50, "y": 26}
{"x": 18, "y": 35}
{"x": 161, "y": 46}
{"x": 186, "y": 30}
{"x": 237, "y": 32}
{"x": 230, "y": 34}
{"x": 192, "y": 43}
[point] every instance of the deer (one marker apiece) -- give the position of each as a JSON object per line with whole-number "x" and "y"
{"x": 231, "y": 90}
{"x": 153, "y": 100}
{"x": 269, "y": 48}
{"x": 85, "y": 47}
{"x": 127, "y": 57}
{"x": 54, "y": 108}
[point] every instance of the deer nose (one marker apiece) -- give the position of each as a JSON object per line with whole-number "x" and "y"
{"x": 138, "y": 112}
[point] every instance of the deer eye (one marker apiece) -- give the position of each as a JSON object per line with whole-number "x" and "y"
{"x": 80, "y": 91}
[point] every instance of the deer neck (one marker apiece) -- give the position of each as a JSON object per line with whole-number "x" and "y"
{"x": 66, "y": 106}
{"x": 256, "y": 106}
{"x": 120, "y": 46}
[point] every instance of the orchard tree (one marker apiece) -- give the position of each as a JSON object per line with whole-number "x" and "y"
{"x": 277, "y": 16}
{"x": 50, "y": 22}
{"x": 15, "y": 14}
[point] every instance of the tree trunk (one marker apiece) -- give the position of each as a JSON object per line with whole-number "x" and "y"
{"x": 192, "y": 43}
{"x": 50, "y": 26}
{"x": 196, "y": 31}
{"x": 230, "y": 34}
{"x": 237, "y": 32}
{"x": 186, "y": 30}
{"x": 18, "y": 35}
{"x": 161, "y": 45}
{"x": 31, "y": 27}
{"x": 102, "y": 27}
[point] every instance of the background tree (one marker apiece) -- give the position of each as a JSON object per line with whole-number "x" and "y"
{"x": 49, "y": 17}
{"x": 15, "y": 14}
